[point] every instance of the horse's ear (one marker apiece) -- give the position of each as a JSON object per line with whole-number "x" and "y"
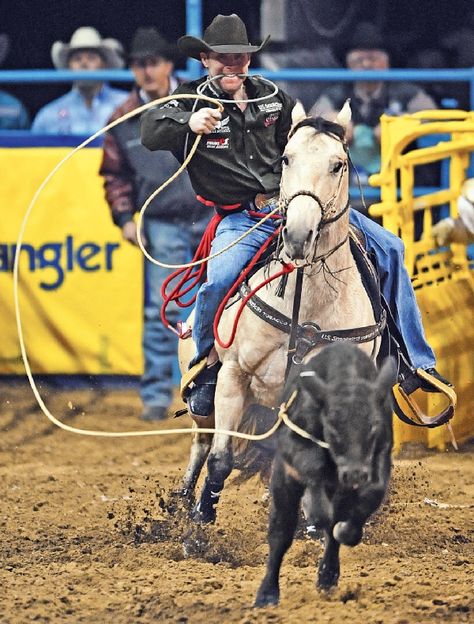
{"x": 344, "y": 115}
{"x": 314, "y": 385}
{"x": 297, "y": 114}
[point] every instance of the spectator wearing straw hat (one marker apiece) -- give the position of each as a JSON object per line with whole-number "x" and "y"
{"x": 87, "y": 106}
{"x": 174, "y": 221}
{"x": 13, "y": 115}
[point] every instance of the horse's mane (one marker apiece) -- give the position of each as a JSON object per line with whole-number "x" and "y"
{"x": 321, "y": 125}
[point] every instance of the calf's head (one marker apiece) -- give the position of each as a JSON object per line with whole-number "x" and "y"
{"x": 355, "y": 415}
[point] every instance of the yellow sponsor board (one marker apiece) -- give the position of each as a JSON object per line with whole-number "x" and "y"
{"x": 80, "y": 285}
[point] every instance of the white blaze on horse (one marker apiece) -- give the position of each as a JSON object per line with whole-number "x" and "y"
{"x": 315, "y": 203}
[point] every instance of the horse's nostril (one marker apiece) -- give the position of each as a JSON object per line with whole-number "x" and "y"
{"x": 309, "y": 237}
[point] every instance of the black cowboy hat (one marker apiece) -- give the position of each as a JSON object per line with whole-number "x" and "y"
{"x": 226, "y": 34}
{"x": 148, "y": 42}
{"x": 366, "y": 36}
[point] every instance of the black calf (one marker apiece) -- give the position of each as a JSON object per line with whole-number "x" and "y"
{"x": 344, "y": 403}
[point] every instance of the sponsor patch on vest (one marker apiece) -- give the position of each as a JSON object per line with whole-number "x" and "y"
{"x": 217, "y": 143}
{"x": 171, "y": 104}
{"x": 270, "y": 107}
{"x": 270, "y": 119}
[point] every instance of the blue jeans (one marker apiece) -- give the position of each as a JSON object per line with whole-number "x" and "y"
{"x": 394, "y": 279}
{"x": 396, "y": 288}
{"x": 170, "y": 243}
{"x": 223, "y": 271}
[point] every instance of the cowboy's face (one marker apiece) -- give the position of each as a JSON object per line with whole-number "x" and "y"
{"x": 85, "y": 60}
{"x": 152, "y": 73}
{"x": 229, "y": 64}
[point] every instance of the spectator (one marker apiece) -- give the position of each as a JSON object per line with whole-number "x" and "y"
{"x": 369, "y": 99}
{"x": 87, "y": 106}
{"x": 460, "y": 230}
{"x": 460, "y": 44}
{"x": 13, "y": 115}
{"x": 173, "y": 222}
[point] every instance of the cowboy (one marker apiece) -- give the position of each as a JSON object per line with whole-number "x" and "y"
{"x": 13, "y": 115}
{"x": 237, "y": 169}
{"x": 87, "y": 106}
{"x": 174, "y": 221}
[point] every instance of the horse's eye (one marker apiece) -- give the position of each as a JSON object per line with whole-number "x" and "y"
{"x": 337, "y": 167}
{"x": 284, "y": 159}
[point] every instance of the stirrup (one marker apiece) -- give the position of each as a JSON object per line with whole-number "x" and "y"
{"x": 409, "y": 412}
{"x": 190, "y": 375}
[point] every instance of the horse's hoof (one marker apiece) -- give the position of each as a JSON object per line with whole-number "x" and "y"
{"x": 267, "y": 599}
{"x": 203, "y": 516}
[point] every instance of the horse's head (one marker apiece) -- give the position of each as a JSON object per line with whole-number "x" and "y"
{"x": 314, "y": 182}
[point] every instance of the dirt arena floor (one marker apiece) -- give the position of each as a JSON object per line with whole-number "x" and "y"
{"x": 91, "y": 532}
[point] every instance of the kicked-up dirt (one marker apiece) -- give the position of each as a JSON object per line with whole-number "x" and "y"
{"x": 91, "y": 531}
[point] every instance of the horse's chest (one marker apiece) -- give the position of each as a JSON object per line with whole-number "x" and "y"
{"x": 266, "y": 368}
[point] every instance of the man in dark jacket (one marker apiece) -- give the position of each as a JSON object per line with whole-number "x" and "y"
{"x": 173, "y": 222}
{"x": 369, "y": 99}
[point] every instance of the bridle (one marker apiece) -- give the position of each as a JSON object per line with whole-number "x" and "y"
{"x": 327, "y": 215}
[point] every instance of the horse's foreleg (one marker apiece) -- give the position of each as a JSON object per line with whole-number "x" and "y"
{"x": 200, "y": 448}
{"x": 286, "y": 495}
{"x": 229, "y": 406}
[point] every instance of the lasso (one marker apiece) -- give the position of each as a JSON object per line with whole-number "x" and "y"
{"x": 121, "y": 434}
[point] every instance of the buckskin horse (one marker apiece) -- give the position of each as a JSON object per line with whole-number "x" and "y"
{"x": 314, "y": 201}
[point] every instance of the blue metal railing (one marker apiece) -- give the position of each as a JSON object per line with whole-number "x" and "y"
{"x": 194, "y": 70}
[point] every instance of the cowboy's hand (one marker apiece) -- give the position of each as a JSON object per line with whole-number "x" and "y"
{"x": 129, "y": 233}
{"x": 204, "y": 120}
{"x": 442, "y": 231}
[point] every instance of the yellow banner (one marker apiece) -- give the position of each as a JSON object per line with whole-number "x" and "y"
{"x": 81, "y": 286}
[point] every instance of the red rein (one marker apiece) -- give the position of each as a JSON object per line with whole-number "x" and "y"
{"x": 191, "y": 276}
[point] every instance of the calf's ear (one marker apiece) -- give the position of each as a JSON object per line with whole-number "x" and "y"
{"x": 314, "y": 385}
{"x": 386, "y": 378}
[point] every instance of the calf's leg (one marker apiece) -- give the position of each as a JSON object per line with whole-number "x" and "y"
{"x": 286, "y": 495}
{"x": 328, "y": 572}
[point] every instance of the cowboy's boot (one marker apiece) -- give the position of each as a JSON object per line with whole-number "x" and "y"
{"x": 200, "y": 397}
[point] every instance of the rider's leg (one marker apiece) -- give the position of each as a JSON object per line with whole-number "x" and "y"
{"x": 222, "y": 273}
{"x": 398, "y": 291}
{"x": 396, "y": 288}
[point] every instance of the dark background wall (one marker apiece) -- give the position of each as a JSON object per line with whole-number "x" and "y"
{"x": 33, "y": 25}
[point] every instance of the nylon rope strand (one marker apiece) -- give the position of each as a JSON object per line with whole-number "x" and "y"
{"x": 16, "y": 298}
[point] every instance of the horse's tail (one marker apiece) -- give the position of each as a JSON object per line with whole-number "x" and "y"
{"x": 255, "y": 457}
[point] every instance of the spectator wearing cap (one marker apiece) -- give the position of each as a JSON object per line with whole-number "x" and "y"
{"x": 13, "y": 115}
{"x": 87, "y": 106}
{"x": 173, "y": 222}
{"x": 369, "y": 99}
